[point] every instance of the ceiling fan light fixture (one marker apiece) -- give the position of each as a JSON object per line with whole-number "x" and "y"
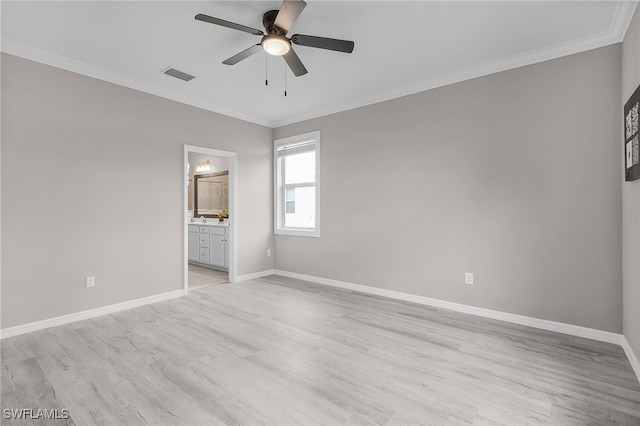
{"x": 276, "y": 45}
{"x": 277, "y": 24}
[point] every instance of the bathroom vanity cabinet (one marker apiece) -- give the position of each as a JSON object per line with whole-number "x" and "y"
{"x": 208, "y": 245}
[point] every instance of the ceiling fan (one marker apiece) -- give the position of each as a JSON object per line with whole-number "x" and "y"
{"x": 275, "y": 41}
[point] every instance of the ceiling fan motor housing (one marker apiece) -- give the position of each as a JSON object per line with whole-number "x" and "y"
{"x": 274, "y": 42}
{"x": 268, "y": 20}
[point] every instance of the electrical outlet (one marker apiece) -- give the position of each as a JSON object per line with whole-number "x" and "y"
{"x": 91, "y": 281}
{"x": 468, "y": 278}
{"x": 268, "y": 252}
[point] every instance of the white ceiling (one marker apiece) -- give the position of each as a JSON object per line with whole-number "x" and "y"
{"x": 400, "y": 47}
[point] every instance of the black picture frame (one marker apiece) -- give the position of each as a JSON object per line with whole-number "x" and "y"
{"x": 631, "y": 127}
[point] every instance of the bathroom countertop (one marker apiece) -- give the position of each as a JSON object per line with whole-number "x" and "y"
{"x": 210, "y": 222}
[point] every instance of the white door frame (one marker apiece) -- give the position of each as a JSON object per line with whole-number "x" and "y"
{"x": 232, "y": 157}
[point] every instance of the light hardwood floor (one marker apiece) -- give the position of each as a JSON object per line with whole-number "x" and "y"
{"x": 279, "y": 351}
{"x": 200, "y": 276}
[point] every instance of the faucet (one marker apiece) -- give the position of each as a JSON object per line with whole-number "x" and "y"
{"x": 204, "y": 220}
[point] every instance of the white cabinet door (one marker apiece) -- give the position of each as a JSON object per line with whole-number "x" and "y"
{"x": 204, "y": 255}
{"x": 218, "y": 250}
{"x": 194, "y": 246}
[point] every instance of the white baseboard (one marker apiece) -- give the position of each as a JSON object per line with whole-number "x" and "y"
{"x": 92, "y": 313}
{"x": 633, "y": 359}
{"x": 255, "y": 275}
{"x": 573, "y": 330}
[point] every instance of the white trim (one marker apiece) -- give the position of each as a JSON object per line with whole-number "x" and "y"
{"x": 232, "y": 158}
{"x": 278, "y": 214}
{"x": 620, "y": 23}
{"x": 254, "y": 276}
{"x": 27, "y": 52}
{"x": 558, "y": 327}
{"x": 622, "y": 18}
{"x": 616, "y": 33}
{"x": 185, "y": 220}
{"x": 482, "y": 70}
{"x": 573, "y": 330}
{"x": 633, "y": 359}
{"x": 92, "y": 313}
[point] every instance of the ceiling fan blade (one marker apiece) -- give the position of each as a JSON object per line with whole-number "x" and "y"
{"x": 243, "y": 55}
{"x": 289, "y": 12}
{"x": 232, "y": 25}
{"x": 323, "y": 43}
{"x": 291, "y": 58}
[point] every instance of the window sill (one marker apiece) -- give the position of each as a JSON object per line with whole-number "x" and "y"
{"x": 298, "y": 232}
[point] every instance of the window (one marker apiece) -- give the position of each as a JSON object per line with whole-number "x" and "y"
{"x": 297, "y": 185}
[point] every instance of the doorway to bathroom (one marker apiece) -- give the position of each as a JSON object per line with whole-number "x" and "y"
{"x": 209, "y": 207}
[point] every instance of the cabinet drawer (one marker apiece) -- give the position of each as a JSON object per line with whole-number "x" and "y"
{"x": 194, "y": 228}
{"x": 218, "y": 230}
{"x": 204, "y": 240}
{"x": 204, "y": 255}
{"x": 204, "y": 229}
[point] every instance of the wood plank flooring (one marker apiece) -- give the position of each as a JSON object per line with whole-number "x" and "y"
{"x": 200, "y": 276}
{"x": 278, "y": 351}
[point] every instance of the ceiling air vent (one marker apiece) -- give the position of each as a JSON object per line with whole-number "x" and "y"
{"x": 178, "y": 74}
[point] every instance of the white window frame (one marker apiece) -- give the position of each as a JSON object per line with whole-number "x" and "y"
{"x": 279, "y": 189}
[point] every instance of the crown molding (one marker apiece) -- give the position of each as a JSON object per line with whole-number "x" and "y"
{"x": 619, "y": 25}
{"x": 616, "y": 33}
{"x": 622, "y": 19}
{"x": 27, "y": 52}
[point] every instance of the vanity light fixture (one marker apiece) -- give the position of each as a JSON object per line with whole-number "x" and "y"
{"x": 203, "y": 166}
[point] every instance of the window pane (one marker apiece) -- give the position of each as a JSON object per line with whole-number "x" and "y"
{"x": 290, "y": 194}
{"x": 304, "y": 209}
{"x": 300, "y": 168}
{"x": 297, "y": 204}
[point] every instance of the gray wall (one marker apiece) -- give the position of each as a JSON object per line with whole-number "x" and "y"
{"x": 76, "y": 202}
{"x": 514, "y": 177}
{"x": 631, "y": 197}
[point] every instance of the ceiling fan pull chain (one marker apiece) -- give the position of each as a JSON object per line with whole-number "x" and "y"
{"x": 266, "y": 75}
{"x": 285, "y": 81}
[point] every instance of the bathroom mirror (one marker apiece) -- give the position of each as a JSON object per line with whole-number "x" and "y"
{"x": 210, "y": 194}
